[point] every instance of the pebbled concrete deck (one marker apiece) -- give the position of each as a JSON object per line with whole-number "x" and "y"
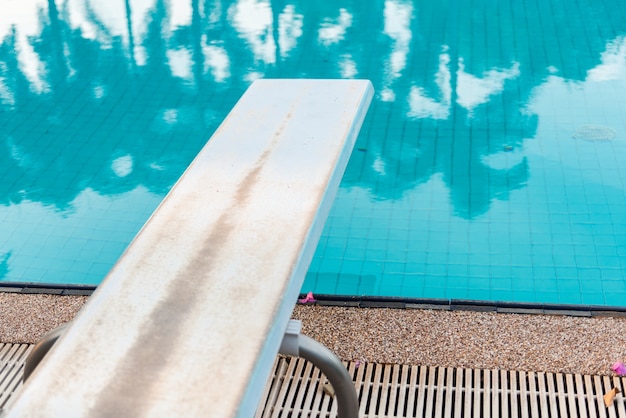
{"x": 482, "y": 340}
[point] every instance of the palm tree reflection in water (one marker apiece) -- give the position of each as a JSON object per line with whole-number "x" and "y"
{"x": 123, "y": 95}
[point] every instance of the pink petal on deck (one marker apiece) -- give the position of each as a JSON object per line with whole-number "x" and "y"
{"x": 308, "y": 298}
{"x": 619, "y": 368}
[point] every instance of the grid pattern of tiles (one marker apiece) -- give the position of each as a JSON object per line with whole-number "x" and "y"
{"x": 514, "y": 196}
{"x": 489, "y": 168}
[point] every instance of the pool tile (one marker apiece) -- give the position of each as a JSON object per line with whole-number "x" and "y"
{"x": 615, "y": 298}
{"x": 435, "y": 188}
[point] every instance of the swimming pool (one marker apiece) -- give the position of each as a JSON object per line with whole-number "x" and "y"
{"x": 490, "y": 166}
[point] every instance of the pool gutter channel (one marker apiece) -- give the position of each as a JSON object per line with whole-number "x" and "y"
{"x": 47, "y": 289}
{"x": 377, "y": 302}
{"x": 470, "y": 305}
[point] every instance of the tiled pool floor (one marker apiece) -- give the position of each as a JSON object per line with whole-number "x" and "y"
{"x": 490, "y": 167}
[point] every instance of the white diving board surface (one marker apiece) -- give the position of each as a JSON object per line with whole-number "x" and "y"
{"x": 190, "y": 319}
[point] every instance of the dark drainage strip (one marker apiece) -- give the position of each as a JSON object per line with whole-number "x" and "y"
{"x": 468, "y": 305}
{"x": 47, "y": 289}
{"x": 374, "y": 302}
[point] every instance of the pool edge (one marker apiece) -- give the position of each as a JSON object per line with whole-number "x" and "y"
{"x": 469, "y": 305}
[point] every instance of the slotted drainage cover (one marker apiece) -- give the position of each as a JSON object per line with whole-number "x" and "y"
{"x": 12, "y": 357}
{"x": 295, "y": 389}
{"x": 594, "y": 133}
{"x": 386, "y": 391}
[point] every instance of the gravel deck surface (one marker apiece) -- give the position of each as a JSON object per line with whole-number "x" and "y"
{"x": 547, "y": 343}
{"x": 26, "y": 318}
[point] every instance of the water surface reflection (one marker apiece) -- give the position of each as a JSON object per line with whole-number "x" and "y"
{"x": 469, "y": 137}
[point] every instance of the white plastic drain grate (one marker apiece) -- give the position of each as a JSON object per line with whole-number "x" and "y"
{"x": 385, "y": 391}
{"x": 12, "y": 357}
{"x": 420, "y": 391}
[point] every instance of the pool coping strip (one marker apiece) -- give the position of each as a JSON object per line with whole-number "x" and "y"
{"x": 468, "y": 305}
{"x": 47, "y": 289}
{"x": 375, "y": 302}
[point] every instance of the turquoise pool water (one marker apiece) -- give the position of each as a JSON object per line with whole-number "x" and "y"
{"x": 491, "y": 166}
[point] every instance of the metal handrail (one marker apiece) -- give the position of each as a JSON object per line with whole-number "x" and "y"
{"x": 336, "y": 373}
{"x": 40, "y": 350}
{"x": 299, "y": 345}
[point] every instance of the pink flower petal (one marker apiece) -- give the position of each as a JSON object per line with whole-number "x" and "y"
{"x": 308, "y": 298}
{"x": 619, "y": 368}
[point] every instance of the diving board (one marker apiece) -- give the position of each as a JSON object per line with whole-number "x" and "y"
{"x": 190, "y": 319}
